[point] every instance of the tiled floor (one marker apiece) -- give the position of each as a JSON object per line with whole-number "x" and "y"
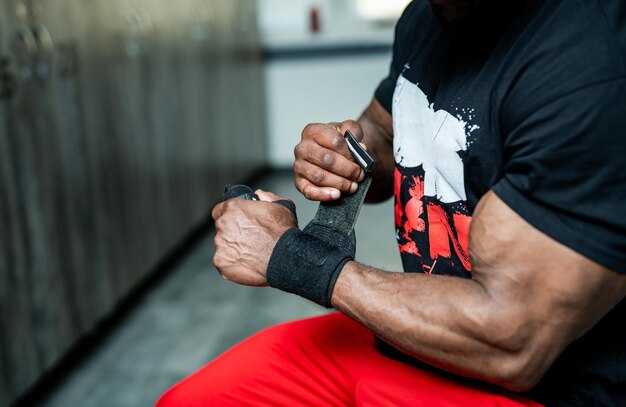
{"x": 193, "y": 315}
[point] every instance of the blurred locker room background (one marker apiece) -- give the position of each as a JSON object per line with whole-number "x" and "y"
{"x": 120, "y": 123}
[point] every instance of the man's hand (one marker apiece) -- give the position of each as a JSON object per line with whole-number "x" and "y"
{"x": 324, "y": 166}
{"x": 247, "y": 232}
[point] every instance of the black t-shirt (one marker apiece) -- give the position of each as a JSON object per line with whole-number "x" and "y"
{"x": 531, "y": 105}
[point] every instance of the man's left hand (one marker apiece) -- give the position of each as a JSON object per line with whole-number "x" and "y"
{"x": 247, "y": 232}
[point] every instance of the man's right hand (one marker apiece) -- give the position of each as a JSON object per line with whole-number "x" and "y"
{"x": 324, "y": 166}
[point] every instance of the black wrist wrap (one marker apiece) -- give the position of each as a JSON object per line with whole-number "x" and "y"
{"x": 305, "y": 265}
{"x": 308, "y": 262}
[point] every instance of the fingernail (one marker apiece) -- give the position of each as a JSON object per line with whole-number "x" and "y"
{"x": 361, "y": 176}
{"x": 334, "y": 194}
{"x": 354, "y": 187}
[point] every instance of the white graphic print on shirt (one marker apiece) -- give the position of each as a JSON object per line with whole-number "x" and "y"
{"x": 432, "y": 220}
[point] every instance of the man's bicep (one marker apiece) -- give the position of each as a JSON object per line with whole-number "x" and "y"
{"x": 555, "y": 293}
{"x": 381, "y": 118}
{"x": 377, "y": 126}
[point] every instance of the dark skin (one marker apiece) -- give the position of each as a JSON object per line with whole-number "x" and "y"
{"x": 324, "y": 167}
{"x": 505, "y": 326}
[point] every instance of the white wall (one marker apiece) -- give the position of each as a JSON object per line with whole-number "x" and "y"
{"x": 283, "y": 16}
{"x": 326, "y": 87}
{"x": 278, "y": 16}
{"x": 316, "y": 90}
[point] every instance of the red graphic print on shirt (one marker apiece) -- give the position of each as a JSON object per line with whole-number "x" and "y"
{"x": 431, "y": 213}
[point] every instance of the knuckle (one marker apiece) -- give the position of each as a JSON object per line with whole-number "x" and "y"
{"x": 227, "y": 205}
{"x": 307, "y": 193}
{"x": 219, "y": 243}
{"x": 309, "y": 129}
{"x": 298, "y": 183}
{"x": 350, "y": 123}
{"x": 317, "y": 176}
{"x": 297, "y": 168}
{"x": 354, "y": 127}
{"x": 327, "y": 160}
{"x": 346, "y": 185}
{"x": 217, "y": 209}
{"x": 231, "y": 205}
{"x": 355, "y": 172}
{"x": 336, "y": 141}
{"x": 219, "y": 225}
{"x": 297, "y": 150}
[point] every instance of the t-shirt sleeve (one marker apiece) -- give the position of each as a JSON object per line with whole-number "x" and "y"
{"x": 565, "y": 169}
{"x": 384, "y": 92}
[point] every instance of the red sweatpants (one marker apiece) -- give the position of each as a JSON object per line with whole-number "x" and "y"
{"x": 323, "y": 361}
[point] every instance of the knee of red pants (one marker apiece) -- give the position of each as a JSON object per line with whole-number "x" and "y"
{"x": 219, "y": 382}
{"x": 187, "y": 394}
{"x": 172, "y": 398}
{"x": 209, "y": 385}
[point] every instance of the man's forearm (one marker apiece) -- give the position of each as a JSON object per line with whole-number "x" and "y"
{"x": 508, "y": 323}
{"x": 377, "y": 130}
{"x": 443, "y": 321}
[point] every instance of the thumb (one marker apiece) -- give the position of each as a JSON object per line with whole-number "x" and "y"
{"x": 353, "y": 126}
{"x": 267, "y": 196}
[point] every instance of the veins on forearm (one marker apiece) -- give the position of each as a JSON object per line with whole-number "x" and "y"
{"x": 414, "y": 314}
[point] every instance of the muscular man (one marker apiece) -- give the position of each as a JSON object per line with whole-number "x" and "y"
{"x": 501, "y": 133}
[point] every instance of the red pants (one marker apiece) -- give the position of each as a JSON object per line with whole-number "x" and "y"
{"x": 323, "y": 361}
